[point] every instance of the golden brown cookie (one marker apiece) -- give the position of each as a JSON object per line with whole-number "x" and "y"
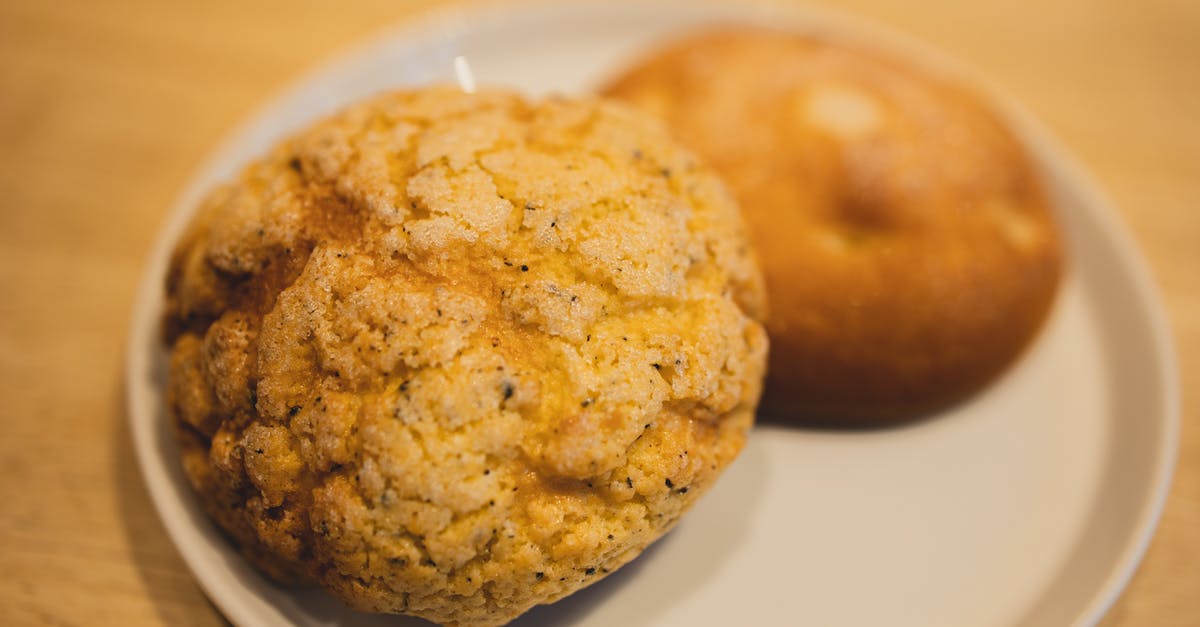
{"x": 457, "y": 355}
{"x": 907, "y": 244}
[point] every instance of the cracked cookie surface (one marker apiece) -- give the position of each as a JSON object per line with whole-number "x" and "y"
{"x": 457, "y": 355}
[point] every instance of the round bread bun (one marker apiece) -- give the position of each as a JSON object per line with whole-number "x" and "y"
{"x": 456, "y": 355}
{"x": 907, "y": 244}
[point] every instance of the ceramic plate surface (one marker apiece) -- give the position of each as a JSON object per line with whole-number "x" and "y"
{"x": 1030, "y": 505}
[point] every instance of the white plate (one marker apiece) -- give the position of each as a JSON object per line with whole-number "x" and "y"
{"x": 1030, "y": 505}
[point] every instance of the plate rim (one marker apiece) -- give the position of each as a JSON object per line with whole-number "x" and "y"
{"x": 453, "y": 14}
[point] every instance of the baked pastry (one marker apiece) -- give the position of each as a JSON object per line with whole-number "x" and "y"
{"x": 456, "y": 355}
{"x": 908, "y": 247}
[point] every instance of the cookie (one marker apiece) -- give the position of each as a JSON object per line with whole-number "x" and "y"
{"x": 908, "y": 246}
{"x": 456, "y": 355}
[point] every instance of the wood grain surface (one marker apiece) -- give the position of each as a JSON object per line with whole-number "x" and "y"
{"x": 107, "y": 106}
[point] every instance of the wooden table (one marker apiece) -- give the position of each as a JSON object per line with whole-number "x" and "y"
{"x": 107, "y": 106}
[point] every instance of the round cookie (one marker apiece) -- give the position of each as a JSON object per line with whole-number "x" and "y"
{"x": 908, "y": 247}
{"x": 457, "y": 355}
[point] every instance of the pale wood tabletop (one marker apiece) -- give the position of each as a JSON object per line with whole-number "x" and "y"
{"x": 106, "y": 107}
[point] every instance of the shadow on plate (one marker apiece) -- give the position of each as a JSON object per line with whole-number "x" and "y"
{"x": 165, "y": 577}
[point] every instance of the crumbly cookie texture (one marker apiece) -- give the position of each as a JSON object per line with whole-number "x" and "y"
{"x": 458, "y": 355}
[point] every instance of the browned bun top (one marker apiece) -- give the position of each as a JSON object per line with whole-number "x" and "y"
{"x": 907, "y": 244}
